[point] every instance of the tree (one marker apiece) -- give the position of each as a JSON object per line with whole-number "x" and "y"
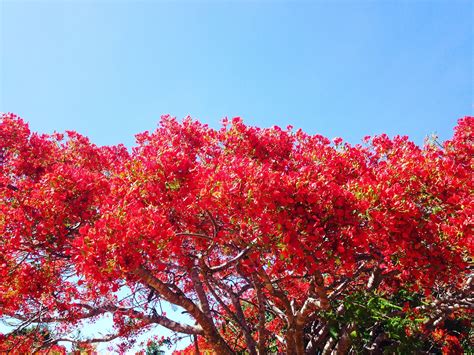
{"x": 268, "y": 239}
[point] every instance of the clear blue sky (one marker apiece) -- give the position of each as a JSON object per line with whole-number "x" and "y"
{"x": 109, "y": 69}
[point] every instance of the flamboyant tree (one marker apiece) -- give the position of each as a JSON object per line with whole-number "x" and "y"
{"x": 268, "y": 239}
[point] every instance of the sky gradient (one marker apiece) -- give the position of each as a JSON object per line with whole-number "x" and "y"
{"x": 339, "y": 68}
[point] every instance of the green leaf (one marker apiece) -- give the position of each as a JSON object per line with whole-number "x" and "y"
{"x": 334, "y": 332}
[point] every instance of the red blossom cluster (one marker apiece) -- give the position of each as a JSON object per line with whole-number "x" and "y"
{"x": 259, "y": 235}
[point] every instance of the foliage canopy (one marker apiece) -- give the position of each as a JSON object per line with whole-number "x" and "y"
{"x": 268, "y": 239}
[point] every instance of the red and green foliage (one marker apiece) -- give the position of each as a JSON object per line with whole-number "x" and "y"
{"x": 269, "y": 239}
{"x": 27, "y": 340}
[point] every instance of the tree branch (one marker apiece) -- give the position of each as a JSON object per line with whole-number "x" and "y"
{"x": 180, "y": 299}
{"x": 231, "y": 261}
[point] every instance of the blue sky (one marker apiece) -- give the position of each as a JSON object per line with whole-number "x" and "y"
{"x": 109, "y": 69}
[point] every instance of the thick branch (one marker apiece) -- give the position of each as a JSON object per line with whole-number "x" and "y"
{"x": 175, "y": 326}
{"x": 312, "y": 304}
{"x": 198, "y": 287}
{"x": 176, "y": 297}
{"x": 180, "y": 299}
{"x": 276, "y": 293}
{"x": 262, "y": 331}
